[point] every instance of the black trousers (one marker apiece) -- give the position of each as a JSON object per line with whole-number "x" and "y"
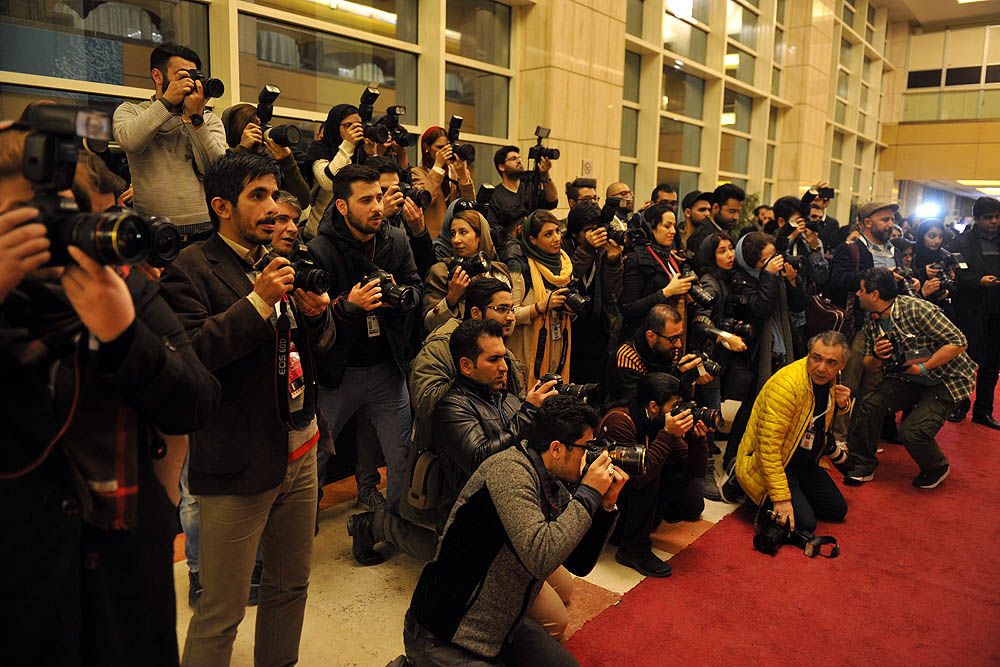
{"x": 673, "y": 495}
{"x": 814, "y": 495}
{"x": 986, "y": 353}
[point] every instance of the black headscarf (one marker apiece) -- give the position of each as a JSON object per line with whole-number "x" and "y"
{"x": 922, "y": 255}
{"x": 327, "y": 147}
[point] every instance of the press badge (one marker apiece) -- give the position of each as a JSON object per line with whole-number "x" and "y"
{"x": 296, "y": 383}
{"x": 555, "y": 324}
{"x": 373, "y": 328}
{"x": 807, "y": 441}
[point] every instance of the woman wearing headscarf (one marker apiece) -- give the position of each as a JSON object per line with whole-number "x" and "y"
{"x": 441, "y": 173}
{"x": 243, "y": 133}
{"x": 463, "y": 235}
{"x": 932, "y": 263}
{"x": 342, "y": 143}
{"x": 548, "y": 270}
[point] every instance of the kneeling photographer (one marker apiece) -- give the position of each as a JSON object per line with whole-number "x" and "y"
{"x": 672, "y": 438}
{"x": 922, "y": 355}
{"x": 788, "y": 435}
{"x": 92, "y": 363}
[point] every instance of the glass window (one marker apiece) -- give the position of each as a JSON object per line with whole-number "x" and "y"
{"x": 478, "y": 97}
{"x": 741, "y": 182}
{"x": 772, "y": 124}
{"x": 779, "y": 45}
{"x": 864, "y": 97}
{"x": 780, "y": 12}
{"x": 633, "y": 64}
{"x": 840, "y": 112}
{"x": 871, "y": 13}
{"x": 866, "y": 69}
{"x": 734, "y": 153}
{"x": 694, "y": 9}
{"x": 769, "y": 162}
{"x": 682, "y": 93}
{"x": 741, "y": 24}
{"x": 993, "y": 71}
{"x": 316, "y": 70}
{"x": 630, "y": 129}
{"x": 838, "y": 146}
{"x": 684, "y": 39}
{"x": 848, "y": 15}
{"x": 845, "y": 53}
{"x": 959, "y": 104}
{"x": 683, "y": 181}
{"x": 869, "y": 35}
{"x": 990, "y": 109}
{"x": 859, "y": 150}
{"x": 776, "y": 82}
{"x": 768, "y": 188}
{"x": 923, "y": 106}
{"x": 389, "y": 18}
{"x": 482, "y": 169}
{"x": 736, "y": 111}
{"x": 924, "y": 78}
{"x": 835, "y": 175}
{"x": 842, "y": 83}
{"x": 962, "y": 76}
{"x": 739, "y": 64}
{"x": 626, "y": 174}
{"x": 680, "y": 143}
{"x": 862, "y": 122}
{"x": 478, "y": 29}
{"x": 13, "y": 99}
{"x": 857, "y": 181}
{"x": 633, "y": 17}
{"x": 101, "y": 42}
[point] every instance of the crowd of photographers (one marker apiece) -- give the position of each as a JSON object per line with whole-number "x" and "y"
{"x": 535, "y": 387}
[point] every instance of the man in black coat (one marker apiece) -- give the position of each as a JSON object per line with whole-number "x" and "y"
{"x": 977, "y": 305}
{"x": 252, "y": 468}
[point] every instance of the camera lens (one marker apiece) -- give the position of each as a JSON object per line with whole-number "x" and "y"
{"x": 284, "y": 135}
{"x": 110, "y": 238}
{"x": 311, "y": 279}
{"x": 213, "y": 87}
{"x": 377, "y": 133}
{"x": 166, "y": 242}
{"x": 630, "y": 459}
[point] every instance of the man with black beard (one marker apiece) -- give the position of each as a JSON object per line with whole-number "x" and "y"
{"x": 513, "y": 192}
{"x": 727, "y": 202}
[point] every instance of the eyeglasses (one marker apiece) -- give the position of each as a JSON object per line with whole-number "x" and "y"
{"x": 623, "y": 193}
{"x": 673, "y": 340}
{"x": 513, "y": 157}
{"x": 592, "y": 198}
{"x": 503, "y": 309}
{"x": 587, "y": 445}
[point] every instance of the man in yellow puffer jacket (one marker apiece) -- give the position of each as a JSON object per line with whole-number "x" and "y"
{"x": 778, "y": 459}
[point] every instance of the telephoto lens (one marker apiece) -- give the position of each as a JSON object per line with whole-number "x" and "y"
{"x": 709, "y": 417}
{"x": 630, "y": 459}
{"x": 308, "y": 276}
{"x": 112, "y": 238}
{"x": 473, "y": 266}
{"x": 376, "y": 133}
{"x": 212, "y": 87}
{"x": 166, "y": 242}
{"x": 698, "y": 294}
{"x": 588, "y": 393}
{"x": 284, "y": 135}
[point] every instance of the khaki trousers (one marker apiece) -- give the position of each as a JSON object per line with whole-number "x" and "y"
{"x": 282, "y": 520}
{"x": 549, "y": 607}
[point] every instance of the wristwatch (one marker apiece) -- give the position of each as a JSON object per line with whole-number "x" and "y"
{"x": 197, "y": 119}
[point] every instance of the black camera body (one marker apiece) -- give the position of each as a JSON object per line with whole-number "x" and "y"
{"x": 212, "y": 87}
{"x": 473, "y": 266}
{"x": 538, "y": 151}
{"x": 421, "y": 198}
{"x": 737, "y": 327}
{"x": 588, "y": 393}
{"x": 308, "y": 276}
{"x": 795, "y": 261}
{"x": 283, "y": 135}
{"x": 577, "y": 301}
{"x": 397, "y": 132}
{"x": 906, "y": 275}
{"x": 465, "y": 152}
{"x": 708, "y": 416}
{"x": 903, "y": 354}
{"x": 50, "y": 154}
{"x": 398, "y": 297}
{"x": 946, "y": 266}
{"x": 366, "y": 108}
{"x": 631, "y": 459}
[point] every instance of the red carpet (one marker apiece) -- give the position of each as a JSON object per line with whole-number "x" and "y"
{"x": 916, "y": 582}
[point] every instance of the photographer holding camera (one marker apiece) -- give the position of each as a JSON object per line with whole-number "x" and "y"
{"x": 342, "y": 143}
{"x": 922, "y": 355}
{"x": 171, "y": 140}
{"x": 92, "y": 364}
{"x": 402, "y": 208}
{"x": 788, "y": 435}
{"x": 513, "y": 525}
{"x": 977, "y": 304}
{"x": 253, "y": 466}
{"x": 443, "y": 174}
{"x": 513, "y": 192}
{"x": 676, "y": 457}
{"x": 465, "y": 248}
{"x": 933, "y": 266}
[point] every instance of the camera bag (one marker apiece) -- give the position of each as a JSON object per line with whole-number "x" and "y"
{"x": 424, "y": 492}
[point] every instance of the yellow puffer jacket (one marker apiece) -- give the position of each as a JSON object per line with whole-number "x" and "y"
{"x": 781, "y": 414}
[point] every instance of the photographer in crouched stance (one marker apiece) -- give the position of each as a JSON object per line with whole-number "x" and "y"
{"x": 778, "y": 463}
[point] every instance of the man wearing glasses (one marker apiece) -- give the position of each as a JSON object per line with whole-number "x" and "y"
{"x": 582, "y": 190}
{"x": 656, "y": 346}
{"x": 513, "y": 193}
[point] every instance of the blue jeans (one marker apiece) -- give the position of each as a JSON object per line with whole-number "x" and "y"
{"x": 189, "y": 515}
{"x": 380, "y": 393}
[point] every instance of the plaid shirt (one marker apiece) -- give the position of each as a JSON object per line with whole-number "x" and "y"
{"x": 926, "y": 326}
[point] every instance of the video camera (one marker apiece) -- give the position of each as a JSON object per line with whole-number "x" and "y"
{"x": 902, "y": 354}
{"x": 399, "y": 297}
{"x": 366, "y": 108}
{"x": 473, "y": 266}
{"x": 283, "y": 135}
{"x": 397, "y": 132}
{"x": 631, "y": 459}
{"x": 708, "y": 416}
{"x": 212, "y": 87}
{"x": 588, "y": 393}
{"x": 465, "y": 152}
{"x": 114, "y": 237}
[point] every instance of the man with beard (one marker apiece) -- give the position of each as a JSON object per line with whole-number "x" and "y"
{"x": 727, "y": 202}
{"x": 656, "y": 346}
{"x": 676, "y": 455}
{"x": 697, "y": 208}
{"x": 365, "y": 371}
{"x": 252, "y": 467}
{"x": 513, "y": 191}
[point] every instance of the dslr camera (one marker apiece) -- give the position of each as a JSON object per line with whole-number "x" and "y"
{"x": 903, "y": 354}
{"x": 113, "y": 237}
{"x": 538, "y": 151}
{"x": 397, "y": 132}
{"x": 398, "y": 297}
{"x": 710, "y": 417}
{"x": 737, "y": 327}
{"x": 947, "y": 266}
{"x": 366, "y": 108}
{"x": 795, "y": 261}
{"x": 465, "y": 152}
{"x": 283, "y": 135}
{"x": 773, "y": 535}
{"x": 212, "y": 87}
{"x": 421, "y": 198}
{"x": 631, "y": 459}
{"x": 577, "y": 301}
{"x": 473, "y": 266}
{"x": 588, "y": 393}
{"x": 698, "y": 294}
{"x": 308, "y": 276}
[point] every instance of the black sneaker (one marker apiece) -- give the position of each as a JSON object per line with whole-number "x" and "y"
{"x": 644, "y": 563}
{"x": 359, "y": 526}
{"x": 194, "y": 589}
{"x": 370, "y": 499}
{"x": 254, "y": 597}
{"x": 730, "y": 489}
{"x": 931, "y": 478}
{"x": 857, "y": 476}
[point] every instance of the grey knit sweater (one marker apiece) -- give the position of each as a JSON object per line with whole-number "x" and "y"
{"x": 167, "y": 159}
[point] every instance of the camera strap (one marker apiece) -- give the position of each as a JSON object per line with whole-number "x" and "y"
{"x": 284, "y": 337}
{"x": 814, "y": 546}
{"x": 662, "y": 265}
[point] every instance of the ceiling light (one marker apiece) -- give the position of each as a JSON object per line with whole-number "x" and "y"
{"x": 966, "y": 2}
{"x": 992, "y": 192}
{"x": 928, "y": 210}
{"x": 976, "y": 184}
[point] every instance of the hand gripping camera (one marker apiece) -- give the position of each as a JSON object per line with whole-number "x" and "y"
{"x": 577, "y": 301}
{"x": 212, "y": 87}
{"x": 397, "y": 132}
{"x": 376, "y": 133}
{"x": 708, "y": 416}
{"x": 399, "y": 297}
{"x": 465, "y": 152}
{"x": 630, "y": 459}
{"x": 588, "y": 393}
{"x": 114, "y": 237}
{"x": 473, "y": 266}
{"x": 308, "y": 276}
{"x": 421, "y": 198}
{"x": 698, "y": 294}
{"x": 283, "y": 135}
{"x": 538, "y": 151}
{"x": 904, "y": 353}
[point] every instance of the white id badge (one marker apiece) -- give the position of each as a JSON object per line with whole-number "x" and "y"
{"x": 373, "y": 328}
{"x": 807, "y": 441}
{"x": 555, "y": 325}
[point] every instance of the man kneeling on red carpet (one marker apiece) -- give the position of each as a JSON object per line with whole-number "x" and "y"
{"x": 778, "y": 464}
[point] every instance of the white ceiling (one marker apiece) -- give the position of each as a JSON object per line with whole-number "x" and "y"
{"x": 943, "y": 13}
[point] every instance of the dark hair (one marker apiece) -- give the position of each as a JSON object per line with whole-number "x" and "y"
{"x": 235, "y": 119}
{"x": 106, "y": 182}
{"x": 383, "y": 165}
{"x": 573, "y": 187}
{"x": 501, "y": 155}
{"x": 537, "y": 220}
{"x": 786, "y": 206}
{"x": 350, "y": 174}
{"x": 728, "y": 191}
{"x": 480, "y": 292}
{"x": 227, "y": 176}
{"x": 985, "y": 206}
{"x": 926, "y": 226}
{"x": 815, "y": 204}
{"x": 563, "y": 418}
{"x": 753, "y": 247}
{"x": 464, "y": 340}
{"x": 581, "y": 215}
{"x": 657, "y": 387}
{"x": 658, "y": 316}
{"x": 762, "y": 207}
{"x": 831, "y": 339}
{"x": 881, "y": 280}
{"x": 693, "y": 196}
{"x": 162, "y": 54}
{"x": 662, "y": 187}
{"x": 654, "y": 214}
